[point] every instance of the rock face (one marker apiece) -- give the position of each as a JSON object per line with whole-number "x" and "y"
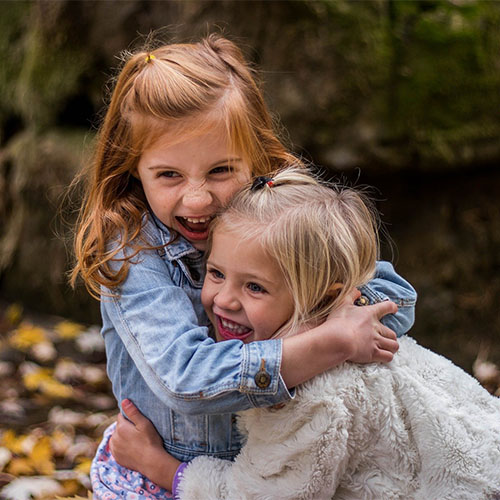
{"x": 407, "y": 92}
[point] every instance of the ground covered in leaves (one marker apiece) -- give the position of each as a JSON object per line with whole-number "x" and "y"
{"x": 56, "y": 401}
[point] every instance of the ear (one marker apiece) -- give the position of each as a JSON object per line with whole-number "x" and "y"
{"x": 334, "y": 290}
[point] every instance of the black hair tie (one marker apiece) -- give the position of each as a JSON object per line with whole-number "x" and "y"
{"x": 260, "y": 182}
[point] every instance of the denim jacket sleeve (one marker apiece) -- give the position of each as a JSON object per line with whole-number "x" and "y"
{"x": 156, "y": 320}
{"x": 388, "y": 285}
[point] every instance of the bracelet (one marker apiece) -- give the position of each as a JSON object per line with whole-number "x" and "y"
{"x": 177, "y": 479}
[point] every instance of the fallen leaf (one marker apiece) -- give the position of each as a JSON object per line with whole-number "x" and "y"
{"x": 5, "y": 456}
{"x": 27, "y": 335}
{"x": 12, "y": 442}
{"x": 20, "y": 467}
{"x": 41, "y": 456}
{"x": 14, "y": 314}
{"x": 62, "y": 416}
{"x": 84, "y": 465}
{"x": 90, "y": 341}
{"x": 26, "y": 488}
{"x": 44, "y": 351}
{"x": 41, "y": 379}
{"x": 68, "y": 330}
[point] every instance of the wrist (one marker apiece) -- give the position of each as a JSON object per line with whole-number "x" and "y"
{"x": 310, "y": 353}
{"x": 160, "y": 468}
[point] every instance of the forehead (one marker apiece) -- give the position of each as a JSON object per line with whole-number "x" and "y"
{"x": 240, "y": 254}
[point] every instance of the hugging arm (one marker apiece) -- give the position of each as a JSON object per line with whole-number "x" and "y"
{"x": 302, "y": 453}
{"x": 190, "y": 373}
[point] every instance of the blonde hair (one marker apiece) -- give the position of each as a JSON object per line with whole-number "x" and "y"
{"x": 319, "y": 234}
{"x": 181, "y": 89}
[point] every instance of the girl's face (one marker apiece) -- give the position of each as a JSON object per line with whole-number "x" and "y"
{"x": 186, "y": 182}
{"x": 244, "y": 293}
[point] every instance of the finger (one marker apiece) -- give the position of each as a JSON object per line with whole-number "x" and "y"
{"x": 386, "y": 332}
{"x": 383, "y": 356}
{"x": 388, "y": 345}
{"x": 132, "y": 412}
{"x": 385, "y": 307}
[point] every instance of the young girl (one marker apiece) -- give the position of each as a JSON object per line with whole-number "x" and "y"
{"x": 282, "y": 257}
{"x": 186, "y": 127}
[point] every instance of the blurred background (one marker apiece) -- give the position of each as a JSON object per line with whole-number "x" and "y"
{"x": 400, "y": 95}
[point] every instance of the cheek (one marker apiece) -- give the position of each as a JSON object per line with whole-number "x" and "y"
{"x": 206, "y": 297}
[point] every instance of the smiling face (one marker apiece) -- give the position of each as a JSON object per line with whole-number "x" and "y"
{"x": 244, "y": 293}
{"x": 186, "y": 182}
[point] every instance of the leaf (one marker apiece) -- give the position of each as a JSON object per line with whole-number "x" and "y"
{"x": 25, "y": 488}
{"x": 68, "y": 330}
{"x": 44, "y": 351}
{"x": 14, "y": 314}
{"x": 5, "y": 456}
{"x": 41, "y": 379}
{"x": 20, "y": 467}
{"x": 84, "y": 465}
{"x": 90, "y": 341}
{"x": 27, "y": 335}
{"x": 12, "y": 442}
{"x": 41, "y": 456}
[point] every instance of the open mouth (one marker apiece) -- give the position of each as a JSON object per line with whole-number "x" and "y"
{"x": 229, "y": 330}
{"x": 195, "y": 228}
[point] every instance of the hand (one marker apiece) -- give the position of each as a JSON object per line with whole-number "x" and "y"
{"x": 135, "y": 444}
{"x": 367, "y": 339}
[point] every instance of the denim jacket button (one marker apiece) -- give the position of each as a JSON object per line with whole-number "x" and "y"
{"x": 362, "y": 301}
{"x": 262, "y": 378}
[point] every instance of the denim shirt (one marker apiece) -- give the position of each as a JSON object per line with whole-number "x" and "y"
{"x": 161, "y": 356}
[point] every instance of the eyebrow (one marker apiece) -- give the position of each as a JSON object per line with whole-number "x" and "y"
{"x": 220, "y": 162}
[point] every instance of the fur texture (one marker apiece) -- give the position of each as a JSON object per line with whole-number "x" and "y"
{"x": 417, "y": 428}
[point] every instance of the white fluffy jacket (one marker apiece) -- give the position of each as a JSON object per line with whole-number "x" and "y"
{"x": 418, "y": 428}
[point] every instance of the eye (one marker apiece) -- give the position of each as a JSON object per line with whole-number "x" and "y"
{"x": 255, "y": 288}
{"x": 169, "y": 174}
{"x": 223, "y": 169}
{"x": 215, "y": 273}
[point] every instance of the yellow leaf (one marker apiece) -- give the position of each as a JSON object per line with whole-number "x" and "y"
{"x": 84, "y": 465}
{"x": 36, "y": 377}
{"x": 41, "y": 456}
{"x": 14, "y": 313}
{"x": 20, "y": 467}
{"x": 68, "y": 329}
{"x": 41, "y": 379}
{"x": 71, "y": 486}
{"x": 55, "y": 389}
{"x": 27, "y": 335}
{"x": 12, "y": 442}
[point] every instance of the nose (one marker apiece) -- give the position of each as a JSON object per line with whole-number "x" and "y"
{"x": 197, "y": 197}
{"x": 226, "y": 298}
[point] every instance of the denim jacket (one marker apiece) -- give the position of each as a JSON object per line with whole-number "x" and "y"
{"x": 161, "y": 355}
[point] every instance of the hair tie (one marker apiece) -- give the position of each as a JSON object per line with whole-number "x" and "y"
{"x": 149, "y": 58}
{"x": 260, "y": 182}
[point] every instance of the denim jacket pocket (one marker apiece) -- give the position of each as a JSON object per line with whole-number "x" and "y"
{"x": 215, "y": 435}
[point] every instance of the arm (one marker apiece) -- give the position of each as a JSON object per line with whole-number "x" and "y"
{"x": 302, "y": 453}
{"x": 159, "y": 326}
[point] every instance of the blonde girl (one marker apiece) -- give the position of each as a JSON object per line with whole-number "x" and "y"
{"x": 282, "y": 257}
{"x": 186, "y": 127}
